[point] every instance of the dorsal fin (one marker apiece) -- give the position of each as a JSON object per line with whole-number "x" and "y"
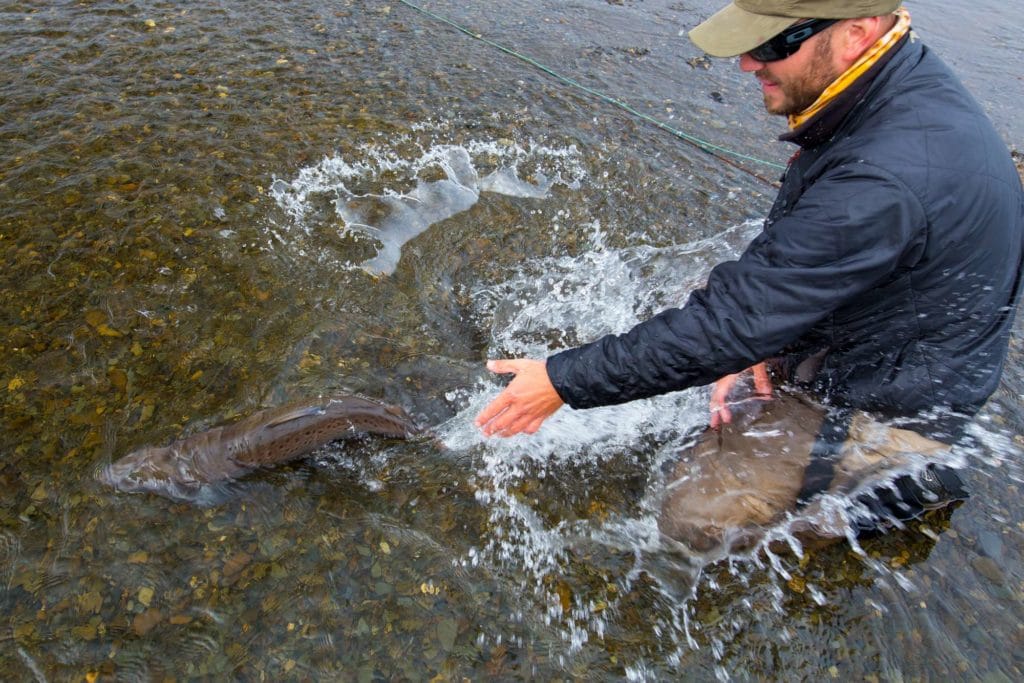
{"x": 295, "y": 414}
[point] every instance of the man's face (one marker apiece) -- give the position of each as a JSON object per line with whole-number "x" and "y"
{"x": 792, "y": 84}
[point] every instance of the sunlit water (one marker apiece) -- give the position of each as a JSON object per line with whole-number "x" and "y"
{"x": 207, "y": 209}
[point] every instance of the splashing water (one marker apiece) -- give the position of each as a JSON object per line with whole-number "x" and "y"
{"x": 558, "y": 302}
{"x": 390, "y": 199}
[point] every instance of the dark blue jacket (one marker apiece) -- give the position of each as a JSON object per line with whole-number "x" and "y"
{"x": 892, "y": 255}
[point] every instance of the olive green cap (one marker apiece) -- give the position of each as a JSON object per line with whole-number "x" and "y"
{"x": 745, "y": 24}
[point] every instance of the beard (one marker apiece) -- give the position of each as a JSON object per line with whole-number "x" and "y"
{"x": 800, "y": 93}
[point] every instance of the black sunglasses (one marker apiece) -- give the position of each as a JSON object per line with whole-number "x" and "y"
{"x": 789, "y": 41}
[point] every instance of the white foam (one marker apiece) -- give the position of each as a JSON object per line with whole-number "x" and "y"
{"x": 391, "y": 199}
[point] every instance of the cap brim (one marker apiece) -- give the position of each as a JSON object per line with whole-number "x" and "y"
{"x": 734, "y": 31}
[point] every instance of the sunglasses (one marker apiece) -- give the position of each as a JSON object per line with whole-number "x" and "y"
{"x": 789, "y": 41}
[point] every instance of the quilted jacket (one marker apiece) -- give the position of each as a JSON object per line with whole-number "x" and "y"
{"x": 888, "y": 269}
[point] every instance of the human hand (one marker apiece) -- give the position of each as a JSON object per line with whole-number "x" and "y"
{"x": 720, "y": 413}
{"x": 524, "y": 404}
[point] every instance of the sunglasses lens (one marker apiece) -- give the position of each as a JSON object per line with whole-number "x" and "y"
{"x": 789, "y": 41}
{"x": 766, "y": 52}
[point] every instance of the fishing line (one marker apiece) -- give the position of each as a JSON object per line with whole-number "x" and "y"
{"x": 717, "y": 151}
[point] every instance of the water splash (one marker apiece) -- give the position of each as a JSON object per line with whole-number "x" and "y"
{"x": 558, "y": 302}
{"x": 389, "y": 196}
{"x": 554, "y": 303}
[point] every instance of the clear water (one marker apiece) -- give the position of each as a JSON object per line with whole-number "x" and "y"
{"x": 208, "y": 208}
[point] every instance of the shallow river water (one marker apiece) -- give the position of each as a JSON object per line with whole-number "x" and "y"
{"x": 208, "y": 208}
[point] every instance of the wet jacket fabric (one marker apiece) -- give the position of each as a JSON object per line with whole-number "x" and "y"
{"x": 891, "y": 257}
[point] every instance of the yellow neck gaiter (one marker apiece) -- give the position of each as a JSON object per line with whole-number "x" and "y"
{"x": 856, "y": 70}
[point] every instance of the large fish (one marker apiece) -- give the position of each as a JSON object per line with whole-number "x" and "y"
{"x": 269, "y": 437}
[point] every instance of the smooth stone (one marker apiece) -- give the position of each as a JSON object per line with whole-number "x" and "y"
{"x": 990, "y": 544}
{"x": 988, "y": 568}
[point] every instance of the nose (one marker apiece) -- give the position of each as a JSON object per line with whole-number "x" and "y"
{"x": 118, "y": 474}
{"x": 111, "y": 475}
{"x": 748, "y": 63}
{"x": 106, "y": 476}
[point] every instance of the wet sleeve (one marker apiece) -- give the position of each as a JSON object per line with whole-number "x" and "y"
{"x": 849, "y": 231}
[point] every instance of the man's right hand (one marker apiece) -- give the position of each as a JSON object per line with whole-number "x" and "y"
{"x": 524, "y": 404}
{"x": 720, "y": 413}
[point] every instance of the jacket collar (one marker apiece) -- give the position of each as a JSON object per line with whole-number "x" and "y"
{"x": 824, "y": 125}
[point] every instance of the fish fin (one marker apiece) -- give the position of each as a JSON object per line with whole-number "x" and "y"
{"x": 297, "y": 414}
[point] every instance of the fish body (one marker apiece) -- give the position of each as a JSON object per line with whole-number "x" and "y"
{"x": 269, "y": 437}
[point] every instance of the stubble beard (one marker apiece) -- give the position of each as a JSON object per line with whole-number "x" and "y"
{"x": 802, "y": 92}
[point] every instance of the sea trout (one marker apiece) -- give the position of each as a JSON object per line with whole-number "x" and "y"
{"x": 269, "y": 437}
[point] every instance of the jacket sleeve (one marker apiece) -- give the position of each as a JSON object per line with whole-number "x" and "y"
{"x": 852, "y": 228}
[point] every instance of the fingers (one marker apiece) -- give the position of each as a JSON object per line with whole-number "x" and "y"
{"x": 524, "y": 404}
{"x": 762, "y": 382}
{"x": 720, "y": 413}
{"x": 493, "y": 409}
{"x": 720, "y": 416}
{"x": 504, "y": 399}
{"x": 496, "y": 418}
{"x": 502, "y": 418}
{"x": 504, "y": 366}
{"x": 508, "y": 414}
{"x": 510, "y": 424}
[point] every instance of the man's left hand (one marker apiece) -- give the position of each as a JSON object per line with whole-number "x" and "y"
{"x": 524, "y": 404}
{"x": 720, "y": 413}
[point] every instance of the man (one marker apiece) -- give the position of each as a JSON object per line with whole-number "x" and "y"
{"x": 883, "y": 285}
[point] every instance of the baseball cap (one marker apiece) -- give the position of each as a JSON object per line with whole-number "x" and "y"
{"x": 744, "y": 24}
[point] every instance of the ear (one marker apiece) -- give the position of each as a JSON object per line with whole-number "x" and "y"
{"x": 857, "y": 35}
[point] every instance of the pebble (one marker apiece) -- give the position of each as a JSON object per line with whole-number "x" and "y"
{"x": 990, "y": 544}
{"x": 977, "y": 637}
{"x": 988, "y": 568}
